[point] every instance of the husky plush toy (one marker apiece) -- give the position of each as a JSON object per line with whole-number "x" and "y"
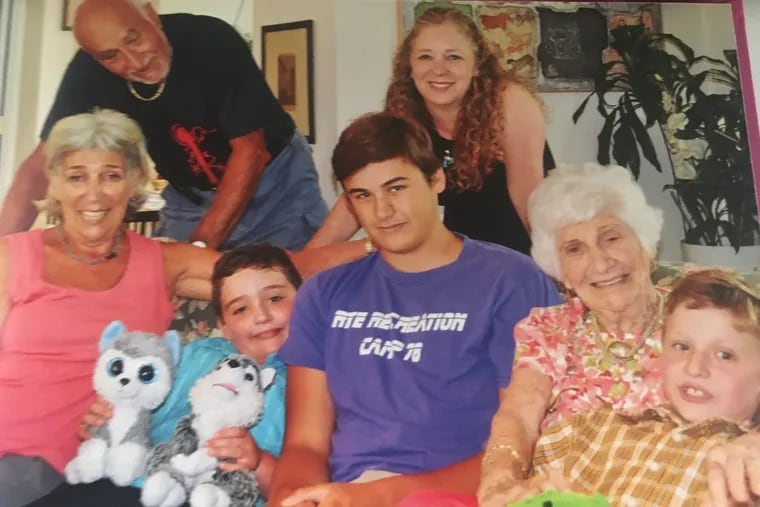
{"x": 134, "y": 373}
{"x": 231, "y": 395}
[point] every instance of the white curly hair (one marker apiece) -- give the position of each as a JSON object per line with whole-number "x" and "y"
{"x": 571, "y": 194}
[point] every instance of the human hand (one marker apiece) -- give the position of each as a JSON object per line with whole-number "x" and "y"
{"x": 733, "y": 472}
{"x": 235, "y": 449}
{"x": 335, "y": 494}
{"x": 96, "y": 416}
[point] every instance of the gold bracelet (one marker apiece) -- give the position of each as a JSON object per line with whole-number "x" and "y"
{"x": 488, "y": 457}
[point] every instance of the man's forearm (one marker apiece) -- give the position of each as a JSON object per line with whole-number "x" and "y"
{"x": 29, "y": 184}
{"x": 311, "y": 261}
{"x": 295, "y": 469}
{"x": 461, "y": 477}
{"x": 246, "y": 164}
{"x": 231, "y": 198}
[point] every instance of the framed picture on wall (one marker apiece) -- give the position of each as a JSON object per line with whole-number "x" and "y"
{"x": 69, "y": 8}
{"x": 287, "y": 60}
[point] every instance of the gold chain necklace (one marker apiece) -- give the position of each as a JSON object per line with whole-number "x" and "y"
{"x": 156, "y": 95}
{"x": 618, "y": 350}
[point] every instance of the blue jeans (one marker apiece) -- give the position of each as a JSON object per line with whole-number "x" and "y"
{"x": 286, "y": 210}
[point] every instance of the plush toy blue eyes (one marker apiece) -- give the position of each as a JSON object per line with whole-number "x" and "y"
{"x": 248, "y": 377}
{"x": 147, "y": 374}
{"x": 115, "y": 367}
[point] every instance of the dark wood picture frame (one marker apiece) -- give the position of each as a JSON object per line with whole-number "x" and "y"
{"x": 67, "y": 17}
{"x": 287, "y": 61}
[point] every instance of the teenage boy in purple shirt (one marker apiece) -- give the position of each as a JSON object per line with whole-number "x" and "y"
{"x": 396, "y": 361}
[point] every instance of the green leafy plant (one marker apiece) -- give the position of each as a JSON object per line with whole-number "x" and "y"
{"x": 656, "y": 80}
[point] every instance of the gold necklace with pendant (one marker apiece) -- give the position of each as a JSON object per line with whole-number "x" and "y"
{"x": 618, "y": 351}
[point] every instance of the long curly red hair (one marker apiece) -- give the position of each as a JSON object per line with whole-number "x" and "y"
{"x": 480, "y": 122}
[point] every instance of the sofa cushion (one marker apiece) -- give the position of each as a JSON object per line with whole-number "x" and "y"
{"x": 194, "y": 319}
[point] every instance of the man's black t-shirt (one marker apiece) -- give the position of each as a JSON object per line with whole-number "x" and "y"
{"x": 214, "y": 92}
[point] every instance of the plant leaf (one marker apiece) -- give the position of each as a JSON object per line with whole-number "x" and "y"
{"x": 643, "y": 139}
{"x": 605, "y": 138}
{"x": 578, "y": 112}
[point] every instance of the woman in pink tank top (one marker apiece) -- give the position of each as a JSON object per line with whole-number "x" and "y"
{"x": 60, "y": 287}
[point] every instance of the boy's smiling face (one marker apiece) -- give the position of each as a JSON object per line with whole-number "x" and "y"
{"x": 256, "y": 306}
{"x": 710, "y": 368}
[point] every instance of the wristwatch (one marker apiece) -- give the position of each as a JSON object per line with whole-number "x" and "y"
{"x": 199, "y": 243}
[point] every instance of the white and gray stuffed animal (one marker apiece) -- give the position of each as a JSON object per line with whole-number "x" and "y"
{"x": 231, "y": 395}
{"x": 134, "y": 373}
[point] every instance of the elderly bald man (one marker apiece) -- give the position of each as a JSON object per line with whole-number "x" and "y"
{"x": 238, "y": 169}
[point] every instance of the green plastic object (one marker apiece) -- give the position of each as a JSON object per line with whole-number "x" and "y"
{"x": 563, "y": 499}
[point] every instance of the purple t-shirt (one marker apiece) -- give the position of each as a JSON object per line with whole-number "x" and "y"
{"x": 414, "y": 361}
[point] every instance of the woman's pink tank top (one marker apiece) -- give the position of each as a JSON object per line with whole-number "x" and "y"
{"x": 49, "y": 343}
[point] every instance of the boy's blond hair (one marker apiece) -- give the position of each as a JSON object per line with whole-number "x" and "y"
{"x": 721, "y": 289}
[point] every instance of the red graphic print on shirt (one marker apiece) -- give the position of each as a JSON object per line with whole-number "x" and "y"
{"x": 199, "y": 161}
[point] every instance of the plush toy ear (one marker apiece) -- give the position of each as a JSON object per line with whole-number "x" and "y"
{"x": 110, "y": 333}
{"x": 267, "y": 377}
{"x": 173, "y": 340}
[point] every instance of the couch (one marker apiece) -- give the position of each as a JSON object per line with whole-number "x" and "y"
{"x": 196, "y": 319}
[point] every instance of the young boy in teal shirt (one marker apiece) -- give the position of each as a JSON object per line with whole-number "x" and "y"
{"x": 253, "y": 291}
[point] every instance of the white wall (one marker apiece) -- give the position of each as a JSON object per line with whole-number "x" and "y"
{"x": 57, "y": 49}
{"x": 19, "y": 136}
{"x": 238, "y": 13}
{"x": 706, "y": 28}
{"x": 363, "y": 89}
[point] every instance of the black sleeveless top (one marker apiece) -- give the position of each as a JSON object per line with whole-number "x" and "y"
{"x": 486, "y": 214}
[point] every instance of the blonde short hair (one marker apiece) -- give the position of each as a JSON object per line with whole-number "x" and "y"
{"x": 102, "y": 129}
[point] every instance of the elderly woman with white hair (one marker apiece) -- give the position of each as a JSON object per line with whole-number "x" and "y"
{"x": 60, "y": 287}
{"x": 592, "y": 230}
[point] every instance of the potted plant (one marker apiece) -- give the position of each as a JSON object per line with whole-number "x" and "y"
{"x": 656, "y": 80}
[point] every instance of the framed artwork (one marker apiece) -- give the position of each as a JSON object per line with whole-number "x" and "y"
{"x": 559, "y": 46}
{"x": 287, "y": 60}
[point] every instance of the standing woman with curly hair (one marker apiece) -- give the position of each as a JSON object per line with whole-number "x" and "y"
{"x": 487, "y": 129}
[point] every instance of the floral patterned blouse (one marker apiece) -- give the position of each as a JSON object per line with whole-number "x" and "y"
{"x": 557, "y": 342}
